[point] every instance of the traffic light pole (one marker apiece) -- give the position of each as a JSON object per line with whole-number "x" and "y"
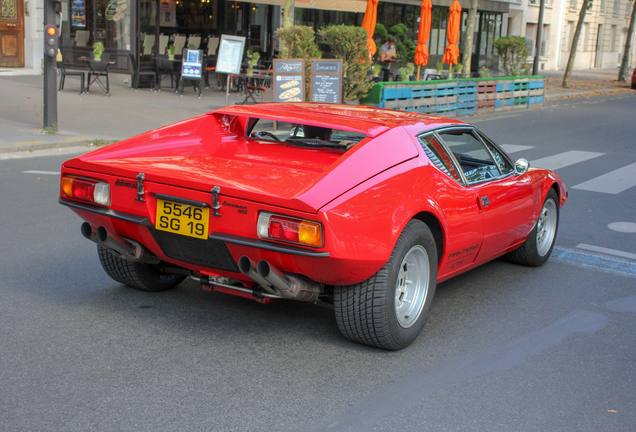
{"x": 50, "y": 69}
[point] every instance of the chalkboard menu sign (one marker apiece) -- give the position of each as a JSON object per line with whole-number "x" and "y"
{"x": 326, "y": 81}
{"x": 289, "y": 80}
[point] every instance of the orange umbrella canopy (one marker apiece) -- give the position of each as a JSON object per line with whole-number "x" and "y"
{"x": 369, "y": 21}
{"x": 421, "y": 51}
{"x": 451, "y": 54}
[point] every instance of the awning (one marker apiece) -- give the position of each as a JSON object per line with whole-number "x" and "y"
{"x": 337, "y": 5}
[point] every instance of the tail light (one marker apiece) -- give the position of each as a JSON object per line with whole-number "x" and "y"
{"x": 93, "y": 191}
{"x": 289, "y": 229}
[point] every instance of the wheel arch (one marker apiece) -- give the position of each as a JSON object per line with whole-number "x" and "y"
{"x": 436, "y": 228}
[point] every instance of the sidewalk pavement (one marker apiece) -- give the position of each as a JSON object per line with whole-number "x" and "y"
{"x": 95, "y": 119}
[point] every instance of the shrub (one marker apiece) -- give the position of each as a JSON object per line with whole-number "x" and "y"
{"x": 349, "y": 43}
{"x": 512, "y": 52}
{"x": 484, "y": 72}
{"x": 380, "y": 32}
{"x": 300, "y": 42}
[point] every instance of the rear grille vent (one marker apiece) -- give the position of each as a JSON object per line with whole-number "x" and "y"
{"x": 205, "y": 253}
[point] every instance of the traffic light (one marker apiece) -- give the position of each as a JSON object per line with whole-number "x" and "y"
{"x": 51, "y": 40}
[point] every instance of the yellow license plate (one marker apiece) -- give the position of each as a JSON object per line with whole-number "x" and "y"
{"x": 184, "y": 219}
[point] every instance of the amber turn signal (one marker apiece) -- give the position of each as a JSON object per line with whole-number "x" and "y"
{"x": 288, "y": 229}
{"x": 93, "y": 191}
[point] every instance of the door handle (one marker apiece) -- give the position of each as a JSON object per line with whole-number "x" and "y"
{"x": 485, "y": 201}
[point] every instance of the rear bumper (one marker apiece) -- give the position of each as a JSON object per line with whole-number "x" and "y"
{"x": 220, "y": 253}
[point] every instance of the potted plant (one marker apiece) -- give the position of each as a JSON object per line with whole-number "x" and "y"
{"x": 252, "y": 59}
{"x": 459, "y": 67}
{"x": 98, "y": 50}
{"x": 439, "y": 66}
{"x": 171, "y": 50}
{"x": 406, "y": 72}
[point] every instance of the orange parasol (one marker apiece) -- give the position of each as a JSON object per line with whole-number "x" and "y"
{"x": 451, "y": 54}
{"x": 369, "y": 21}
{"x": 421, "y": 52}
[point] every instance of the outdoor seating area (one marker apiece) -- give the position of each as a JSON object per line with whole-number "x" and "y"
{"x": 160, "y": 73}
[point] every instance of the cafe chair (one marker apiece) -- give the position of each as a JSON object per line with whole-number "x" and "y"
{"x": 62, "y": 66}
{"x": 81, "y": 37}
{"x": 179, "y": 43}
{"x": 137, "y": 74}
{"x": 194, "y": 40}
{"x": 163, "y": 44}
{"x": 166, "y": 67}
{"x": 149, "y": 43}
{"x": 99, "y": 69}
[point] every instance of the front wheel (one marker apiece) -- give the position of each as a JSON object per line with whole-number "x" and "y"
{"x": 142, "y": 276}
{"x": 389, "y": 309}
{"x": 537, "y": 248}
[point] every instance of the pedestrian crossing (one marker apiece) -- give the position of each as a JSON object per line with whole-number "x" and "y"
{"x": 613, "y": 182}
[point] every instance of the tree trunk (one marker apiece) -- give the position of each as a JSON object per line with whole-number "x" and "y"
{"x": 467, "y": 47}
{"x": 288, "y": 16}
{"x": 622, "y": 74}
{"x": 575, "y": 42}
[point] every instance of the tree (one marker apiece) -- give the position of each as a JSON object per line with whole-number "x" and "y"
{"x": 575, "y": 43}
{"x": 288, "y": 15}
{"x": 467, "y": 48}
{"x": 622, "y": 74}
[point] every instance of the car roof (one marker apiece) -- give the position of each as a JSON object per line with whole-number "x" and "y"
{"x": 368, "y": 120}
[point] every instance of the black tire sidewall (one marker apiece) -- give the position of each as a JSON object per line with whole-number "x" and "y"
{"x": 415, "y": 233}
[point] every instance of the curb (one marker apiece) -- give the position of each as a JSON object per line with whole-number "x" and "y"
{"x": 32, "y": 147}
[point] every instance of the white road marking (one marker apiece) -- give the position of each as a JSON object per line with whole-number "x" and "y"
{"x": 512, "y": 148}
{"x": 625, "y": 227}
{"x": 41, "y": 172}
{"x": 607, "y": 251}
{"x": 562, "y": 160}
{"x": 613, "y": 182}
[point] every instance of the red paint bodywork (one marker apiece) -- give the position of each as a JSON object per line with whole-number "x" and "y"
{"x": 363, "y": 197}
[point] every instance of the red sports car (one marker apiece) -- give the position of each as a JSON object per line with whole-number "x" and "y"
{"x": 363, "y": 208}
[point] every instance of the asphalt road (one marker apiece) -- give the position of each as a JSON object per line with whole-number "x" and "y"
{"x": 506, "y": 348}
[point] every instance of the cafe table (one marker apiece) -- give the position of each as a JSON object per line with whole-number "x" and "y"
{"x": 97, "y": 69}
{"x": 255, "y": 82}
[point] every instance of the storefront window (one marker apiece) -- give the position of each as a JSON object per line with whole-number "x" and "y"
{"x": 105, "y": 21}
{"x": 113, "y": 24}
{"x": 258, "y": 27}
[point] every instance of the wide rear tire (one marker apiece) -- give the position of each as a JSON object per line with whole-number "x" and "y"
{"x": 389, "y": 309}
{"x": 145, "y": 277}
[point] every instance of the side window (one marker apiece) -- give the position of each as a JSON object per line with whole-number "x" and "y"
{"x": 473, "y": 157}
{"x": 437, "y": 154}
{"x": 504, "y": 164}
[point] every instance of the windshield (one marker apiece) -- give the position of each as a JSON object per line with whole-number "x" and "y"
{"x": 303, "y": 135}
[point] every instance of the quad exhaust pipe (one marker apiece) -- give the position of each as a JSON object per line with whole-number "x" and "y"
{"x": 126, "y": 249}
{"x": 275, "y": 281}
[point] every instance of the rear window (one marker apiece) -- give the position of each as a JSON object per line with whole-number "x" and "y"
{"x": 303, "y": 135}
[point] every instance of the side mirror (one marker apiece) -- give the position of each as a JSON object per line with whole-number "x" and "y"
{"x": 521, "y": 166}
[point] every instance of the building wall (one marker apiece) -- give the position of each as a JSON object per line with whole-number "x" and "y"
{"x": 602, "y": 39}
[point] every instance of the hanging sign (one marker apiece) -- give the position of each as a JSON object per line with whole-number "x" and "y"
{"x": 230, "y": 54}
{"x": 289, "y": 80}
{"x": 326, "y": 81}
{"x": 192, "y": 66}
